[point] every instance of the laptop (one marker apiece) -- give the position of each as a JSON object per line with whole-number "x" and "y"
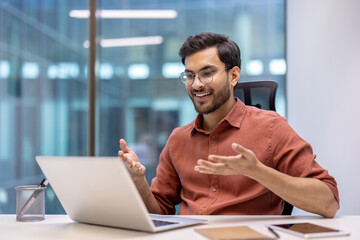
{"x": 100, "y": 190}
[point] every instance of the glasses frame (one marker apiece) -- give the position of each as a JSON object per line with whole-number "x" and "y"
{"x": 184, "y": 74}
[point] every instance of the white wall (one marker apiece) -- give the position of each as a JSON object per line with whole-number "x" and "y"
{"x": 323, "y": 87}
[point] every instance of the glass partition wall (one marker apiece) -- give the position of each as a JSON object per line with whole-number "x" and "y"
{"x": 44, "y": 84}
{"x": 43, "y": 91}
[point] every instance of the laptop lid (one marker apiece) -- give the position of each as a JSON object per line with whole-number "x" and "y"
{"x": 100, "y": 190}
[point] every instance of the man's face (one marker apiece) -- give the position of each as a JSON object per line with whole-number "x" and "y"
{"x": 208, "y": 98}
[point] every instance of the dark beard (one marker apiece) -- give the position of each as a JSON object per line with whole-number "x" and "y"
{"x": 219, "y": 99}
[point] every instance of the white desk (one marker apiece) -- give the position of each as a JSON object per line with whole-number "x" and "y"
{"x": 62, "y": 227}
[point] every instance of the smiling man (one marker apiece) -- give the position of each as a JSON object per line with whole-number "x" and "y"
{"x": 232, "y": 159}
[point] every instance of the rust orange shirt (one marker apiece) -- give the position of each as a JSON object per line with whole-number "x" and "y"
{"x": 266, "y": 133}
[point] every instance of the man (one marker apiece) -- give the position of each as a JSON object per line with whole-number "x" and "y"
{"x": 232, "y": 159}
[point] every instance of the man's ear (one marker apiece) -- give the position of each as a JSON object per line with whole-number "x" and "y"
{"x": 234, "y": 75}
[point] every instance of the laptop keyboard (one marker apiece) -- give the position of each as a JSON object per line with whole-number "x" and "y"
{"x": 159, "y": 223}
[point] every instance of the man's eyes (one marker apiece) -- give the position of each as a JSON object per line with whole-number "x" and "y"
{"x": 206, "y": 73}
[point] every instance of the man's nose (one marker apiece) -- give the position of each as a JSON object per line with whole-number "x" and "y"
{"x": 197, "y": 83}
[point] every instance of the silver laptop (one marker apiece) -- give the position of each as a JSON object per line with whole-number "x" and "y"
{"x": 100, "y": 190}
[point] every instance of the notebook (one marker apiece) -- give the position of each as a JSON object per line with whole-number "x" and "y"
{"x": 100, "y": 190}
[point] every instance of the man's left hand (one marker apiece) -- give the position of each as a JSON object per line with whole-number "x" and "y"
{"x": 243, "y": 163}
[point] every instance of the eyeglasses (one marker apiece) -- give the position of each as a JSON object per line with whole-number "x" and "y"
{"x": 205, "y": 76}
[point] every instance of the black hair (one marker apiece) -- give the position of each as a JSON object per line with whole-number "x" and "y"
{"x": 228, "y": 50}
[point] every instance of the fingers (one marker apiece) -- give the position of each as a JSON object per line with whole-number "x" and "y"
{"x": 223, "y": 159}
{"x": 228, "y": 165}
{"x": 240, "y": 149}
{"x": 129, "y": 163}
{"x": 122, "y": 155}
{"x": 124, "y": 146}
{"x": 130, "y": 159}
{"x": 135, "y": 166}
{"x": 208, "y": 167}
{"x": 139, "y": 167}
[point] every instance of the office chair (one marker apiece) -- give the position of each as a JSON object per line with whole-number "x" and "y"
{"x": 260, "y": 94}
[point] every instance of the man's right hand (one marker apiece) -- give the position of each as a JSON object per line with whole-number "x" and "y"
{"x": 136, "y": 169}
{"x": 137, "y": 172}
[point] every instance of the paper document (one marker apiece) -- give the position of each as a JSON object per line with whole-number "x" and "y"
{"x": 238, "y": 232}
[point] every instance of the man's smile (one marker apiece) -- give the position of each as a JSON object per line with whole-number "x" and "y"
{"x": 201, "y": 94}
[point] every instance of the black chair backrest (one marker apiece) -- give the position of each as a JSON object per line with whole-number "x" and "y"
{"x": 260, "y": 94}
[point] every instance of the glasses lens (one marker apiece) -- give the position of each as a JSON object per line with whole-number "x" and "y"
{"x": 186, "y": 78}
{"x": 206, "y": 76}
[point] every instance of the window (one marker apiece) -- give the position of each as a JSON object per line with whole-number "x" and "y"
{"x": 43, "y": 93}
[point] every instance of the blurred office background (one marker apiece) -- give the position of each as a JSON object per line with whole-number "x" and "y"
{"x": 44, "y": 52}
{"x": 311, "y": 48}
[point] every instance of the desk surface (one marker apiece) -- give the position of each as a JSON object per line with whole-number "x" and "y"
{"x": 62, "y": 227}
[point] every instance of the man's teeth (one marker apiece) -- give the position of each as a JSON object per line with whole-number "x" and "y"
{"x": 202, "y": 95}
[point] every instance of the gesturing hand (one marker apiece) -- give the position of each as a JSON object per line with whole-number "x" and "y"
{"x": 243, "y": 163}
{"x": 131, "y": 160}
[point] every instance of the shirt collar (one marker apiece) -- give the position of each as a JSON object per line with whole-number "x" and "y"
{"x": 233, "y": 118}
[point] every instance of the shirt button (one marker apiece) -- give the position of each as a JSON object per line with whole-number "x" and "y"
{"x": 213, "y": 137}
{"x": 213, "y": 189}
